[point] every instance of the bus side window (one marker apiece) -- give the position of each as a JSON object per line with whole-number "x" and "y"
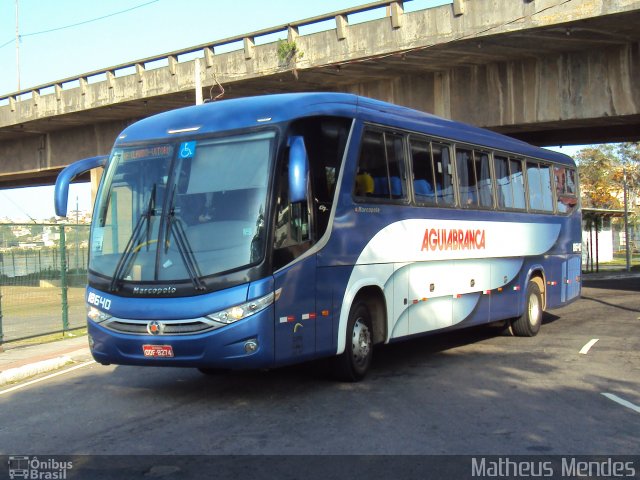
{"x": 566, "y": 195}
{"x": 535, "y": 189}
{"x": 381, "y": 172}
{"x": 443, "y": 172}
{"x": 467, "y": 186}
{"x": 423, "y": 171}
{"x": 292, "y": 232}
{"x": 539, "y": 181}
{"x": 503, "y": 182}
{"x": 545, "y": 181}
{"x": 517, "y": 183}
{"x": 483, "y": 174}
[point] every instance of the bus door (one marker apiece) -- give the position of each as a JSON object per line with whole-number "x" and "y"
{"x": 571, "y": 270}
{"x": 295, "y": 311}
{"x": 295, "y": 274}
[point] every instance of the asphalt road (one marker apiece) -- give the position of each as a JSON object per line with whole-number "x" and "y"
{"x": 474, "y": 392}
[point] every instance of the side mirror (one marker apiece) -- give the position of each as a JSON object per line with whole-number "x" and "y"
{"x": 298, "y": 169}
{"x": 66, "y": 176}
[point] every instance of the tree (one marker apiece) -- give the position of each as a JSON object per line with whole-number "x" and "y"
{"x": 629, "y": 155}
{"x": 599, "y": 186}
{"x": 604, "y": 170}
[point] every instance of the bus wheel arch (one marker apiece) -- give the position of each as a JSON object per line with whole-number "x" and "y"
{"x": 373, "y": 297}
{"x": 366, "y": 326}
{"x": 537, "y": 277}
{"x": 528, "y": 324}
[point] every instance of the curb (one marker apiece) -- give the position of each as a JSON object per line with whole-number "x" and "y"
{"x": 609, "y": 276}
{"x": 20, "y": 373}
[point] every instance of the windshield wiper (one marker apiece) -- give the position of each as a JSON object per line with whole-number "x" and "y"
{"x": 175, "y": 227}
{"x": 132, "y": 245}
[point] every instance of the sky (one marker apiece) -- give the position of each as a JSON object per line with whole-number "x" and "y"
{"x": 64, "y": 38}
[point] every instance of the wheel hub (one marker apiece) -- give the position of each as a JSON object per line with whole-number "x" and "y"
{"x": 534, "y": 310}
{"x": 361, "y": 342}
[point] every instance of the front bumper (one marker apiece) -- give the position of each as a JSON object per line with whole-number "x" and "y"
{"x": 221, "y": 348}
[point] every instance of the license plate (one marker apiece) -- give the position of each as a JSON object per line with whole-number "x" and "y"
{"x": 157, "y": 350}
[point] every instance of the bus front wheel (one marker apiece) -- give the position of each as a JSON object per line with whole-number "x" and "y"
{"x": 528, "y": 324}
{"x": 352, "y": 365}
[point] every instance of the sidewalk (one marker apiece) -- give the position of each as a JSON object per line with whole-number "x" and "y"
{"x": 18, "y": 363}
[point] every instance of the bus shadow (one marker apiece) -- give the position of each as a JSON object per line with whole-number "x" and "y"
{"x": 394, "y": 359}
{"x": 549, "y": 318}
{"x": 397, "y": 358}
{"x": 609, "y": 304}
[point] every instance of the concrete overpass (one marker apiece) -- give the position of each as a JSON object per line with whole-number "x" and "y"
{"x": 547, "y": 71}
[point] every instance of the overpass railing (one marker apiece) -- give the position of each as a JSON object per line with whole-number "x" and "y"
{"x": 394, "y": 10}
{"x": 43, "y": 272}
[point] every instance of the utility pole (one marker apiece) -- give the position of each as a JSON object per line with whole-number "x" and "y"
{"x": 626, "y": 218}
{"x": 198, "y": 82}
{"x": 77, "y": 230}
{"x": 17, "y": 45}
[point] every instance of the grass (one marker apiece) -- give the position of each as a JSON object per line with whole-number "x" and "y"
{"x": 27, "y": 312}
{"x": 620, "y": 260}
{"x": 19, "y": 301}
{"x": 52, "y": 337}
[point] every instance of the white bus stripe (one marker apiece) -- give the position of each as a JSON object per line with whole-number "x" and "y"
{"x": 37, "y": 380}
{"x": 622, "y": 402}
{"x": 588, "y": 346}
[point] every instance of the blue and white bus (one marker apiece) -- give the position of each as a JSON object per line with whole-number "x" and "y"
{"x": 265, "y": 231}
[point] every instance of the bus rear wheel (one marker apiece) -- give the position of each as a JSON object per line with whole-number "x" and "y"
{"x": 353, "y": 364}
{"x": 528, "y": 324}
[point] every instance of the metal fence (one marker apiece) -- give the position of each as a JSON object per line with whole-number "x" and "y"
{"x": 43, "y": 271}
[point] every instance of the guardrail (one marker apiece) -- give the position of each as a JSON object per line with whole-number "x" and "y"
{"x": 248, "y": 41}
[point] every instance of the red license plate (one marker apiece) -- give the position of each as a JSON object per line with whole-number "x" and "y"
{"x": 157, "y": 350}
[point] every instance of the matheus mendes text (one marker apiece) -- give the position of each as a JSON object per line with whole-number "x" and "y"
{"x": 452, "y": 239}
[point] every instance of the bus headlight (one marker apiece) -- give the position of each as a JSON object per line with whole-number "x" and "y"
{"x": 96, "y": 315}
{"x": 238, "y": 312}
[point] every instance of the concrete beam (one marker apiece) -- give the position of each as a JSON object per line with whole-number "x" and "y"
{"x": 458, "y": 7}
{"x": 342, "y": 24}
{"x": 530, "y": 63}
{"x": 581, "y": 90}
{"x": 396, "y": 11}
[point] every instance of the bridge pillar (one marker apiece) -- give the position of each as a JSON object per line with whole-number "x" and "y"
{"x": 442, "y": 94}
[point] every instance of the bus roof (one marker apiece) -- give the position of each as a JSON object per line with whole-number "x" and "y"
{"x": 262, "y": 110}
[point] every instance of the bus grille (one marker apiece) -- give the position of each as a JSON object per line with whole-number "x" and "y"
{"x": 167, "y": 327}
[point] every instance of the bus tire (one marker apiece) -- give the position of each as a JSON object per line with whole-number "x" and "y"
{"x": 528, "y": 324}
{"x": 353, "y": 364}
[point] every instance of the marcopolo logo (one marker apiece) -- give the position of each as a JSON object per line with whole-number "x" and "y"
{"x": 38, "y": 469}
{"x": 154, "y": 290}
{"x": 367, "y": 210}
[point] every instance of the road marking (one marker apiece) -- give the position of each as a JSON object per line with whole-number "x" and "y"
{"x": 622, "y": 402}
{"x": 37, "y": 380}
{"x": 590, "y": 344}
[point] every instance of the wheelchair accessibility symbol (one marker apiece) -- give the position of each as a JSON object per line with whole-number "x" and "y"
{"x": 187, "y": 149}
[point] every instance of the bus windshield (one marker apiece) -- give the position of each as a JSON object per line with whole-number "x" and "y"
{"x": 184, "y": 211}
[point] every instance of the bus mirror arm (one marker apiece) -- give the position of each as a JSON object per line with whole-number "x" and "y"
{"x": 66, "y": 176}
{"x": 298, "y": 169}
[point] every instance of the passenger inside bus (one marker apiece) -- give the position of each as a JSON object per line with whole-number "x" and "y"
{"x": 364, "y": 184}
